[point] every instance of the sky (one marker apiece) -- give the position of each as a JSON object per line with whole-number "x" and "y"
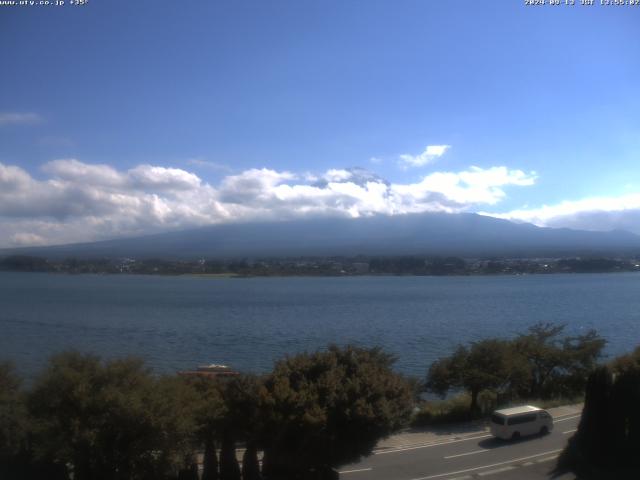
{"x": 123, "y": 118}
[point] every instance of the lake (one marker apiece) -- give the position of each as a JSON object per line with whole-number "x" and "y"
{"x": 180, "y": 322}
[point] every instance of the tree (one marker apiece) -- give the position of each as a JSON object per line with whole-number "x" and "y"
{"x": 229, "y": 468}
{"x": 330, "y": 407}
{"x": 629, "y": 362}
{"x": 540, "y": 347}
{"x": 564, "y": 363}
{"x": 607, "y": 442}
{"x": 486, "y": 365}
{"x": 537, "y": 363}
{"x": 111, "y": 420}
{"x": 13, "y": 423}
{"x": 243, "y": 421}
{"x": 209, "y": 412}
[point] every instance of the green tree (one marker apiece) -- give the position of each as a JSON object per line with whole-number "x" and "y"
{"x": 111, "y": 420}
{"x": 557, "y": 364}
{"x": 486, "y": 365}
{"x": 331, "y": 407}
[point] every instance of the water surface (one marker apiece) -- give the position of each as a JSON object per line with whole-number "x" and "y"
{"x": 179, "y": 322}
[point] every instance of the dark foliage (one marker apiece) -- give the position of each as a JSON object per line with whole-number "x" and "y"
{"x": 85, "y": 418}
{"x": 250, "y": 464}
{"x": 229, "y": 468}
{"x": 329, "y": 408}
{"x": 607, "y": 442}
{"x": 539, "y": 363}
{"x": 110, "y": 420}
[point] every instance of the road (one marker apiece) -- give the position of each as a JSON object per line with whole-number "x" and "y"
{"x": 476, "y": 456}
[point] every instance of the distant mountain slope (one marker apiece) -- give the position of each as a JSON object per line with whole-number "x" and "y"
{"x": 424, "y": 234}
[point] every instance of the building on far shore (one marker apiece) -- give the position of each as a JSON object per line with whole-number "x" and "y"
{"x": 210, "y": 371}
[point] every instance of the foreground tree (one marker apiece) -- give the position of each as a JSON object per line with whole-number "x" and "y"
{"x": 627, "y": 363}
{"x": 607, "y": 443}
{"x": 328, "y": 408}
{"x": 13, "y": 424}
{"x": 111, "y": 420}
{"x": 243, "y": 422}
{"x": 209, "y": 413}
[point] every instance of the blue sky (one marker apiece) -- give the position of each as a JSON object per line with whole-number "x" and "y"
{"x": 121, "y": 118}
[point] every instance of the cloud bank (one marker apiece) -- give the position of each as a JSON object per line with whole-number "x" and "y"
{"x": 595, "y": 213}
{"x": 78, "y": 201}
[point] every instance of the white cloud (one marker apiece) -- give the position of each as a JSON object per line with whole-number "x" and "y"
{"x": 13, "y": 178}
{"x": 16, "y": 118}
{"x": 430, "y": 154}
{"x": 471, "y": 187}
{"x": 153, "y": 178}
{"x": 595, "y": 213}
{"x": 85, "y": 202}
{"x": 251, "y": 186}
{"x": 74, "y": 171}
{"x": 337, "y": 175}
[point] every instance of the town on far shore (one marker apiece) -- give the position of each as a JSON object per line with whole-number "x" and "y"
{"x": 325, "y": 266}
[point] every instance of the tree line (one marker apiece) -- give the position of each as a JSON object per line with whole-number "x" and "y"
{"x": 540, "y": 363}
{"x": 320, "y": 266}
{"x": 87, "y": 418}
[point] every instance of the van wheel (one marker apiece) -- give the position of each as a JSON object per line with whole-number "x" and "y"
{"x": 544, "y": 430}
{"x": 515, "y": 436}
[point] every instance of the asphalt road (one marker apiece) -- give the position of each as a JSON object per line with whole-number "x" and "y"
{"x": 477, "y": 456}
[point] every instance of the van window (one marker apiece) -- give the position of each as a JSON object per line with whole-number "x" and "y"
{"x": 497, "y": 419}
{"x": 530, "y": 417}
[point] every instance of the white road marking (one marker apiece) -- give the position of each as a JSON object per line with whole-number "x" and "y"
{"x": 570, "y": 431}
{"x": 488, "y": 466}
{"x": 448, "y": 442}
{"x": 547, "y": 459}
{"x": 567, "y": 415}
{"x": 569, "y": 418}
{"x": 497, "y": 470}
{"x": 468, "y": 453}
{"x": 354, "y": 471}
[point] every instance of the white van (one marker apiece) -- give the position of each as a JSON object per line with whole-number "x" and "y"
{"x": 518, "y": 422}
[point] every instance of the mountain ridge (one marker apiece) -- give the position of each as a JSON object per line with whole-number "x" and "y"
{"x": 462, "y": 234}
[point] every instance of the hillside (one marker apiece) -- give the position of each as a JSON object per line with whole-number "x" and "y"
{"x": 427, "y": 234}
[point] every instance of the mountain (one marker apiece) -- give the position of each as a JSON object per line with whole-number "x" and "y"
{"x": 420, "y": 234}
